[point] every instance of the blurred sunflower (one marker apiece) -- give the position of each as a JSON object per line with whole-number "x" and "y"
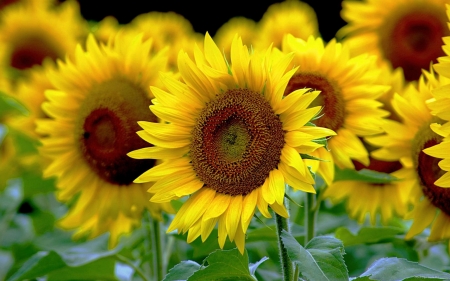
{"x": 288, "y": 17}
{"x": 93, "y": 114}
{"x": 30, "y": 93}
{"x": 105, "y": 29}
{"x": 349, "y": 88}
{"x": 404, "y": 33}
{"x": 51, "y": 34}
{"x": 386, "y": 198}
{"x": 172, "y": 29}
{"x": 233, "y": 141}
{"x": 405, "y": 142}
{"x": 246, "y": 28}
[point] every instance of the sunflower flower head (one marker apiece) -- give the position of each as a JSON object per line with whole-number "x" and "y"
{"x": 233, "y": 140}
{"x": 407, "y": 141}
{"x": 349, "y": 88}
{"x": 167, "y": 29}
{"x": 288, "y": 17}
{"x": 31, "y": 33}
{"x": 406, "y": 34}
{"x": 93, "y": 109}
{"x": 246, "y": 28}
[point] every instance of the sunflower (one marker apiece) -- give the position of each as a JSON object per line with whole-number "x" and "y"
{"x": 105, "y": 29}
{"x": 440, "y": 106}
{"x": 349, "y": 87}
{"x": 405, "y": 142}
{"x": 288, "y": 17}
{"x": 172, "y": 30}
{"x": 386, "y": 199}
{"x": 404, "y": 33}
{"x": 233, "y": 141}
{"x": 30, "y": 93}
{"x": 246, "y": 28}
{"x": 51, "y": 34}
{"x": 97, "y": 100}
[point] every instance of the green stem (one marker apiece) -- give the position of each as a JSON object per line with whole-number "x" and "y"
{"x": 156, "y": 248}
{"x": 131, "y": 264}
{"x": 287, "y": 265}
{"x": 296, "y": 272}
{"x": 310, "y": 216}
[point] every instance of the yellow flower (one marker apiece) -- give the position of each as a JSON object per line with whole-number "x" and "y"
{"x": 288, "y": 17}
{"x": 246, "y": 28}
{"x": 171, "y": 29}
{"x": 405, "y": 142}
{"x": 365, "y": 198}
{"x": 440, "y": 106}
{"x": 232, "y": 139}
{"x": 403, "y": 33}
{"x": 30, "y": 93}
{"x": 349, "y": 87}
{"x": 105, "y": 29}
{"x": 98, "y": 98}
{"x": 29, "y": 34}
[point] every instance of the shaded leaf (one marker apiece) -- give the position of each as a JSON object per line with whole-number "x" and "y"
{"x": 224, "y": 265}
{"x": 363, "y": 175}
{"x": 10, "y": 105}
{"x": 77, "y": 263}
{"x": 393, "y": 269}
{"x": 321, "y": 259}
{"x": 182, "y": 271}
{"x": 367, "y": 235}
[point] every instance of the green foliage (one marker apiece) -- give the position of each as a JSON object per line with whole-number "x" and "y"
{"x": 219, "y": 265}
{"x": 363, "y": 175}
{"x": 182, "y": 271}
{"x": 393, "y": 269}
{"x": 9, "y": 105}
{"x": 367, "y": 235}
{"x": 321, "y": 259}
{"x": 68, "y": 266}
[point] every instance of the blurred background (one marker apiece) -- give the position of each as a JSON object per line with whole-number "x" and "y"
{"x": 211, "y": 16}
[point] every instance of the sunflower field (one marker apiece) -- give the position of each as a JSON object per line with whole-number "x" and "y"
{"x": 266, "y": 148}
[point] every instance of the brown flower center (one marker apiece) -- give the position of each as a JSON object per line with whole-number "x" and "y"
{"x": 330, "y": 98}
{"x": 237, "y": 142}
{"x": 32, "y": 51}
{"x": 414, "y": 39}
{"x": 428, "y": 169}
{"x": 107, "y": 130}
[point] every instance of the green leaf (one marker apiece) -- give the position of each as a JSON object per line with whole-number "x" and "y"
{"x": 182, "y": 271}
{"x": 393, "y": 269}
{"x": 102, "y": 269}
{"x": 10, "y": 105}
{"x": 38, "y": 265}
{"x": 363, "y": 175}
{"x": 367, "y": 235}
{"x": 254, "y": 266}
{"x": 77, "y": 263}
{"x": 224, "y": 265}
{"x": 321, "y": 259}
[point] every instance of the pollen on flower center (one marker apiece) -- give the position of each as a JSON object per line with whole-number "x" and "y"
{"x": 232, "y": 140}
{"x": 428, "y": 169}
{"x": 107, "y": 130}
{"x": 32, "y": 52}
{"x": 237, "y": 142}
{"x": 414, "y": 40}
{"x": 330, "y": 98}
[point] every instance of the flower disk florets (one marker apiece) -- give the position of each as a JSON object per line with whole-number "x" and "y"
{"x": 237, "y": 142}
